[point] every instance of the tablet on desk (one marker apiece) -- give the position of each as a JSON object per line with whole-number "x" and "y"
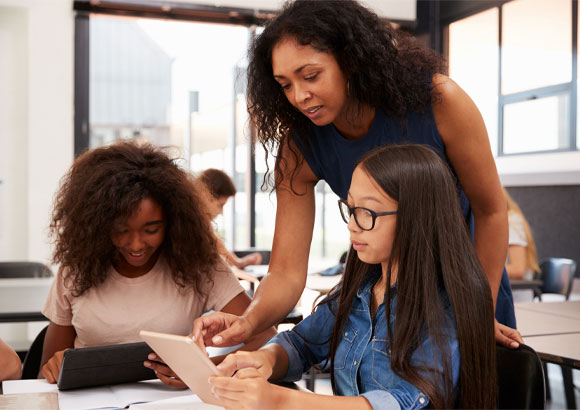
{"x": 187, "y": 360}
{"x": 102, "y": 365}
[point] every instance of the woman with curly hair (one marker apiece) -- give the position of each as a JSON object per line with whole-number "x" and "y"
{"x": 327, "y": 82}
{"x": 136, "y": 251}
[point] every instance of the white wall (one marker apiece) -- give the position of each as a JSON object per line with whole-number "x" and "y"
{"x": 36, "y": 120}
{"x": 559, "y": 168}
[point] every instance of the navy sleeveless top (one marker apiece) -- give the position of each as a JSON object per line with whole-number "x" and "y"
{"x": 333, "y": 158}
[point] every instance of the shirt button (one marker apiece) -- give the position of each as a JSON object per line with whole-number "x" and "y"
{"x": 355, "y": 362}
{"x": 422, "y": 400}
{"x": 345, "y": 334}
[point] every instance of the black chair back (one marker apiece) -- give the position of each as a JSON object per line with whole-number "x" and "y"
{"x": 14, "y": 270}
{"x": 31, "y": 363}
{"x": 520, "y": 378}
{"x": 558, "y": 275}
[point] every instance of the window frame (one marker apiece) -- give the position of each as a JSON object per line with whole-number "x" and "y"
{"x": 570, "y": 88}
{"x": 152, "y": 10}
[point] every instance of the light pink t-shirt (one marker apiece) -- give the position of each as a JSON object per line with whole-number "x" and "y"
{"x": 115, "y": 311}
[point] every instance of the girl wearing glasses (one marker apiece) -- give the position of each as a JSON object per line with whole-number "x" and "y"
{"x": 411, "y": 323}
{"x": 327, "y": 82}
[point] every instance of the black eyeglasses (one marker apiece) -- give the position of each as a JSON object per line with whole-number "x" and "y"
{"x": 364, "y": 217}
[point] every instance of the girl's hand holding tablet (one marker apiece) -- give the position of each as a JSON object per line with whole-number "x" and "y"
{"x": 164, "y": 372}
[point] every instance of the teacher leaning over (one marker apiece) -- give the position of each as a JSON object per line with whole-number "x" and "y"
{"x": 327, "y": 82}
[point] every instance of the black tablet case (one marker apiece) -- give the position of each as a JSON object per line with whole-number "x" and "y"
{"x": 98, "y": 366}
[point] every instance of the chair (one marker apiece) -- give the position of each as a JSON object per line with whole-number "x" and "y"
{"x": 14, "y": 270}
{"x": 520, "y": 378}
{"x": 557, "y": 275}
{"x": 31, "y": 363}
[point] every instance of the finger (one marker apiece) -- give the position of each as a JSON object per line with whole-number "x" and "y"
{"x": 52, "y": 373}
{"x": 161, "y": 369}
{"x": 506, "y": 341}
{"x": 198, "y": 327}
{"x": 514, "y": 335}
{"x": 171, "y": 382}
{"x": 226, "y": 383}
{"x": 154, "y": 357}
{"x": 248, "y": 373}
{"x": 47, "y": 374}
{"x": 229, "y": 337}
{"x": 227, "y": 394}
{"x": 238, "y": 361}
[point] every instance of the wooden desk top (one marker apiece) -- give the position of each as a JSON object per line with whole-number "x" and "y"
{"x": 30, "y": 401}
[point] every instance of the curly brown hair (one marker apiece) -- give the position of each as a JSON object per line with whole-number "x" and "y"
{"x": 108, "y": 183}
{"x": 385, "y": 68}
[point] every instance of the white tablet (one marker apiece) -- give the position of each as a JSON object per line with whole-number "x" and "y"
{"x": 187, "y": 360}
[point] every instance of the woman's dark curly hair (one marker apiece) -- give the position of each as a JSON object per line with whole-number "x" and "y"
{"x": 108, "y": 183}
{"x": 385, "y": 68}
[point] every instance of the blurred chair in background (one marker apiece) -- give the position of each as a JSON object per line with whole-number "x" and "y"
{"x": 14, "y": 270}
{"x": 557, "y": 275}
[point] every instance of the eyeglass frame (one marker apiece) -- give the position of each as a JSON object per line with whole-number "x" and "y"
{"x": 351, "y": 212}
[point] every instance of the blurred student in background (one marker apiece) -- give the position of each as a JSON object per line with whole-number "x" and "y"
{"x": 522, "y": 259}
{"x": 221, "y": 188}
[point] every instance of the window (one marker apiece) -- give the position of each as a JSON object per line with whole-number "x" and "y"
{"x": 517, "y": 59}
{"x": 159, "y": 81}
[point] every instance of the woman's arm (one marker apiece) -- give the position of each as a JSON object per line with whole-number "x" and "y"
{"x": 288, "y": 262}
{"x": 516, "y": 268}
{"x": 10, "y": 365}
{"x": 467, "y": 147}
{"x": 57, "y": 340}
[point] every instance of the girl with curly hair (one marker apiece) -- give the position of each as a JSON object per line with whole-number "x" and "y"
{"x": 136, "y": 251}
{"x": 327, "y": 82}
{"x": 410, "y": 325}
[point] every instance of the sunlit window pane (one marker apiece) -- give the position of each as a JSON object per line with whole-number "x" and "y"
{"x": 537, "y": 125}
{"x": 536, "y": 44}
{"x": 473, "y": 64}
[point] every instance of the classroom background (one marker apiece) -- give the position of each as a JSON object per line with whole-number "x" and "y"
{"x": 79, "y": 74}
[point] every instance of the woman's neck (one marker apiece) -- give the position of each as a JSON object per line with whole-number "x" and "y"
{"x": 355, "y": 120}
{"x": 130, "y": 271}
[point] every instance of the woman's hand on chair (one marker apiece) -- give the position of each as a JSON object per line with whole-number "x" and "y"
{"x": 507, "y": 336}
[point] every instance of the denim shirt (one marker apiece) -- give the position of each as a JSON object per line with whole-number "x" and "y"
{"x": 362, "y": 353}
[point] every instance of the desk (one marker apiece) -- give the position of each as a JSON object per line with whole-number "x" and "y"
{"x": 523, "y": 284}
{"x": 38, "y": 394}
{"x": 553, "y": 331}
{"x": 568, "y": 309}
{"x": 534, "y": 323}
{"x": 322, "y": 284}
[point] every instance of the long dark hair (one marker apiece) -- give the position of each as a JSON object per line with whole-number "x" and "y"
{"x": 109, "y": 182}
{"x": 385, "y": 68}
{"x": 433, "y": 252}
